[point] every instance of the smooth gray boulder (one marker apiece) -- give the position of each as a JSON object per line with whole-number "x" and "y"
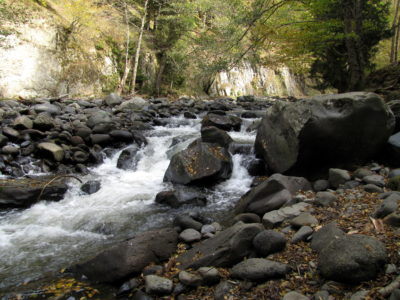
{"x": 128, "y": 258}
{"x": 156, "y": 285}
{"x": 23, "y": 122}
{"x": 259, "y": 269}
{"x": 352, "y": 259}
{"x": 51, "y": 150}
{"x": 276, "y": 217}
{"x": 272, "y": 194}
{"x": 269, "y": 241}
{"x": 200, "y": 164}
{"x": 309, "y": 136}
{"x": 113, "y": 99}
{"x": 190, "y": 235}
{"x": 223, "y": 250}
{"x": 325, "y": 235}
{"x": 338, "y": 177}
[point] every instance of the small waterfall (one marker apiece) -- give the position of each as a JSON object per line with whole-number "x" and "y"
{"x": 50, "y": 236}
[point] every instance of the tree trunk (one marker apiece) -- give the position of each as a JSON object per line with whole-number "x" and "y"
{"x": 136, "y": 64}
{"x": 162, "y": 63}
{"x": 395, "y": 28}
{"x": 353, "y": 31}
{"x": 127, "y": 58}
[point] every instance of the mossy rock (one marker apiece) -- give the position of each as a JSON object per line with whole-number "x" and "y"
{"x": 394, "y": 183}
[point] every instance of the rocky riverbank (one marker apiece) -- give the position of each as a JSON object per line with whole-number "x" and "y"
{"x": 330, "y": 235}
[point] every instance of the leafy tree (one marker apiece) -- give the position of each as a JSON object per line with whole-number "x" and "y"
{"x": 343, "y": 37}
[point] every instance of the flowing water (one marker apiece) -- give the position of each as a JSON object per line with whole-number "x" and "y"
{"x": 53, "y": 235}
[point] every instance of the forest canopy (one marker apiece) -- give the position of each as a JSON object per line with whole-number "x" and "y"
{"x": 165, "y": 46}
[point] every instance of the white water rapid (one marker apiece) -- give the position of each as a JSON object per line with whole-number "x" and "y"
{"x": 52, "y": 235}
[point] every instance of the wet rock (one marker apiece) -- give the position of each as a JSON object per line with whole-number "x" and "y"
{"x": 23, "y": 122}
{"x": 325, "y": 199}
{"x": 223, "y": 250}
{"x": 25, "y": 192}
{"x": 338, "y": 177}
{"x": 91, "y": 187}
{"x": 190, "y": 236}
{"x": 200, "y": 164}
{"x": 157, "y": 285}
{"x": 51, "y": 150}
{"x": 128, "y": 258}
{"x": 268, "y": 241}
{"x": 302, "y": 234}
{"x": 227, "y": 123}
{"x": 185, "y": 222}
{"x": 276, "y": 217}
{"x": 325, "y": 235}
{"x": 292, "y": 136}
{"x": 153, "y": 270}
{"x": 352, "y": 259}
{"x": 100, "y": 139}
{"x": 214, "y": 135}
{"x": 122, "y": 136}
{"x": 360, "y": 295}
{"x": 259, "y": 269}
{"x": 181, "y": 196}
{"x": 129, "y": 158}
{"x": 189, "y": 115}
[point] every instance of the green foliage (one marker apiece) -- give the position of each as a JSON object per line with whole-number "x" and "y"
{"x": 338, "y": 50}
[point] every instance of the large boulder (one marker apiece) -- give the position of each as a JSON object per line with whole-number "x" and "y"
{"x": 128, "y": 258}
{"x": 311, "y": 135}
{"x": 352, "y": 259}
{"x": 272, "y": 194}
{"x": 200, "y": 164}
{"x": 225, "y": 249}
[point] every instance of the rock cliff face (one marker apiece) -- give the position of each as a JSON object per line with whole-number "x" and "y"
{"x": 257, "y": 80}
{"x": 31, "y": 64}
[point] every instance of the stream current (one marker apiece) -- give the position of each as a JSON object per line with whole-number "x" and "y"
{"x": 49, "y": 236}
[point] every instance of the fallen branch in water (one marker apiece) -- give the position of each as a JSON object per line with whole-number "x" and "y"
{"x": 55, "y": 178}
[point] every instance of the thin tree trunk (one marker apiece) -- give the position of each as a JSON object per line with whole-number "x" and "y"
{"x": 396, "y": 47}
{"x": 162, "y": 62}
{"x": 395, "y": 28}
{"x": 127, "y": 58}
{"x": 136, "y": 63}
{"x": 354, "y": 54}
